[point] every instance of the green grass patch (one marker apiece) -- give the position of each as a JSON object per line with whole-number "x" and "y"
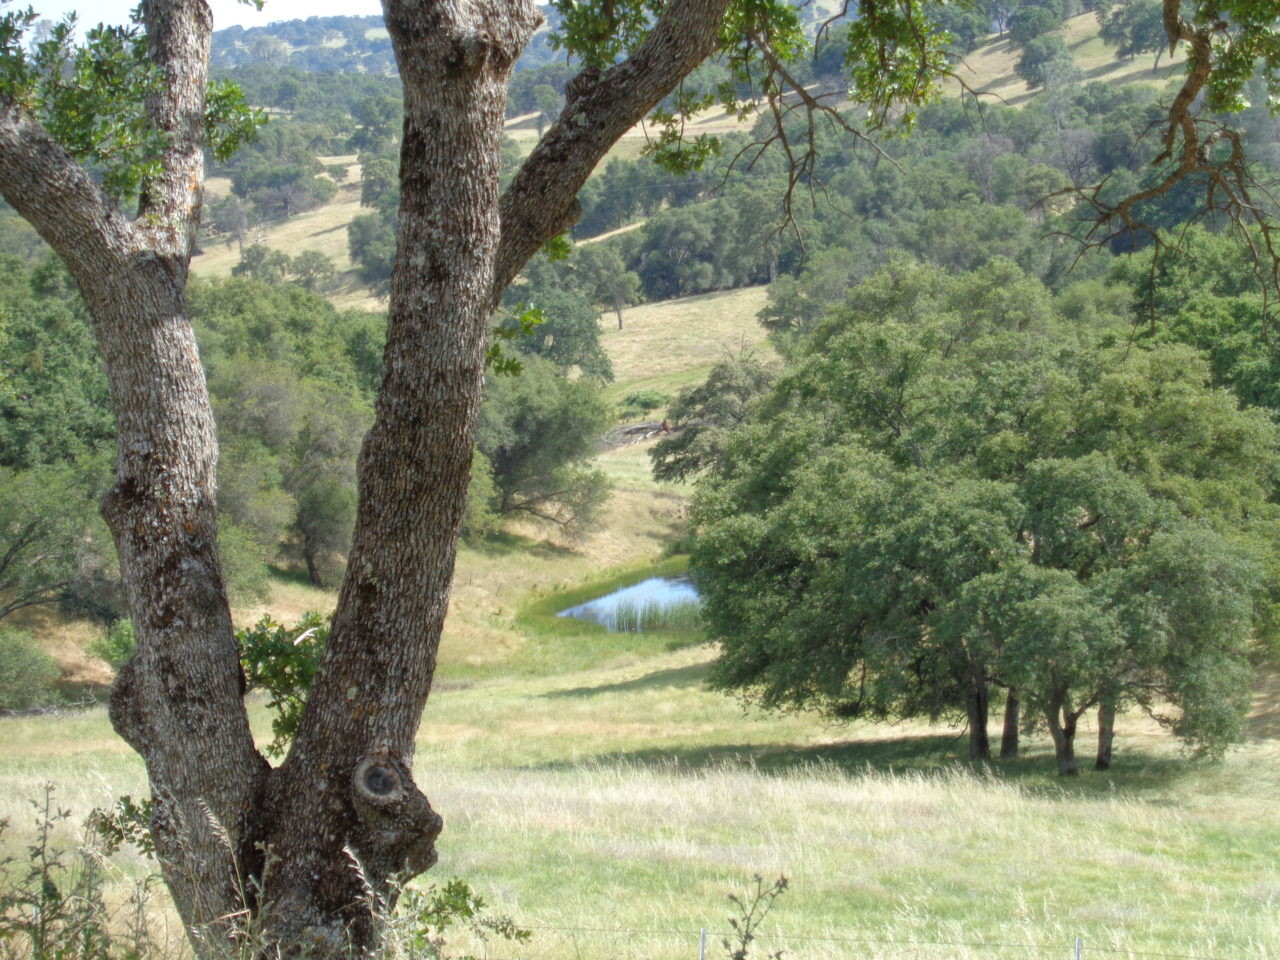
{"x": 647, "y": 617}
{"x": 559, "y": 645}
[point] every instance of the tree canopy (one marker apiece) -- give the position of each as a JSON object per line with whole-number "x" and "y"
{"x": 951, "y": 489}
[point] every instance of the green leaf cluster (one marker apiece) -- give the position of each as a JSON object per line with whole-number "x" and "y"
{"x": 282, "y": 661}
{"x": 92, "y": 98}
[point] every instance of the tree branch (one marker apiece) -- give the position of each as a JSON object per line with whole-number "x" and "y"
{"x": 541, "y": 201}
{"x": 178, "y": 38}
{"x": 53, "y": 193}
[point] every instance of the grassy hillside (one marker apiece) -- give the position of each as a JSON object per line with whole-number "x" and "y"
{"x": 596, "y": 790}
{"x": 668, "y": 345}
{"x": 988, "y": 70}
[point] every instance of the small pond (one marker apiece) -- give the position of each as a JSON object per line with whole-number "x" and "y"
{"x": 647, "y": 605}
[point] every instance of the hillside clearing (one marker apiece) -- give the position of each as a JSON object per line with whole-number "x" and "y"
{"x": 666, "y": 345}
{"x": 990, "y": 68}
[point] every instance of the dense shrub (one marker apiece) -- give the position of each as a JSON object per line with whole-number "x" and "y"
{"x": 27, "y": 673}
{"x": 117, "y": 645}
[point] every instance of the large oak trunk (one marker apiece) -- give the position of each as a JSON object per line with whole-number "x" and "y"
{"x": 372, "y": 684}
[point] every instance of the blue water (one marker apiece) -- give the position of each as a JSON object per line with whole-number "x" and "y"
{"x": 656, "y": 591}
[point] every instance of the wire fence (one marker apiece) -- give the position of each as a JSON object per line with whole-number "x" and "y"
{"x": 615, "y": 943}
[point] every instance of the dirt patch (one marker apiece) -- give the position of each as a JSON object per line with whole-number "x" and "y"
{"x": 1264, "y": 717}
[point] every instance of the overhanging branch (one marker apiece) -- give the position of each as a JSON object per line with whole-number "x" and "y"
{"x": 541, "y": 201}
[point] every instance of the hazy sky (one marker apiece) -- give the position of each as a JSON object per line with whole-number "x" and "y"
{"x": 226, "y": 13}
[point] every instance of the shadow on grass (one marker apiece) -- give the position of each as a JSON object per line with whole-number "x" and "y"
{"x": 290, "y": 574}
{"x": 688, "y": 676}
{"x": 502, "y": 544}
{"x": 1145, "y": 775}
{"x": 896, "y": 754}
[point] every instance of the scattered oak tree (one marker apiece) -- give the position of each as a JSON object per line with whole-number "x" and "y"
{"x": 950, "y": 490}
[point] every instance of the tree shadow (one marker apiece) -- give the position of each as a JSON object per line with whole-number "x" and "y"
{"x": 289, "y": 574}
{"x": 503, "y": 544}
{"x": 896, "y": 754}
{"x": 1144, "y": 775}
{"x": 688, "y": 676}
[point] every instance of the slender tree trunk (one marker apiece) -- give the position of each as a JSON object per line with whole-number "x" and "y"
{"x": 977, "y": 706}
{"x": 1009, "y": 733}
{"x": 617, "y": 308}
{"x": 1062, "y": 727}
{"x": 313, "y": 571}
{"x": 1106, "y": 733}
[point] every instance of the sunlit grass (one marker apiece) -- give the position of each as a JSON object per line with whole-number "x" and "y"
{"x": 628, "y": 797}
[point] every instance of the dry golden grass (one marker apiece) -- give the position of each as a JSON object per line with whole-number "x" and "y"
{"x": 323, "y": 229}
{"x": 65, "y": 640}
{"x": 288, "y": 601}
{"x": 990, "y": 68}
{"x": 661, "y": 339}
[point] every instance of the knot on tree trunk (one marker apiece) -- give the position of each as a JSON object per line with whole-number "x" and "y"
{"x": 397, "y": 830}
{"x": 125, "y": 708}
{"x": 470, "y": 51}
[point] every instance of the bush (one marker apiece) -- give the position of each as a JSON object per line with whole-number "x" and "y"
{"x": 117, "y": 647}
{"x": 53, "y": 904}
{"x": 26, "y": 673}
{"x": 282, "y": 662}
{"x": 642, "y": 401}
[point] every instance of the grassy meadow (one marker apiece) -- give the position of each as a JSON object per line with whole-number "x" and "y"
{"x": 594, "y": 789}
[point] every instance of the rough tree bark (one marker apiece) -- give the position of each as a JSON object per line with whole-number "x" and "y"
{"x": 1062, "y": 728}
{"x": 178, "y": 703}
{"x": 345, "y": 791}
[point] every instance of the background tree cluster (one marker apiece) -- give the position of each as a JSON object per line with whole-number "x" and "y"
{"x": 292, "y": 381}
{"x": 954, "y": 488}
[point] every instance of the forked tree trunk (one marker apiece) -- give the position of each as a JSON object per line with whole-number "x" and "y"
{"x": 1062, "y": 728}
{"x": 1009, "y": 732}
{"x": 345, "y": 791}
